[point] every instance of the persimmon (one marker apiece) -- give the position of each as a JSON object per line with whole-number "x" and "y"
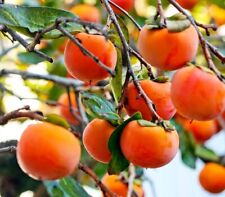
{"x": 197, "y": 94}
{"x": 118, "y": 187}
{"x": 159, "y": 94}
{"x": 87, "y": 12}
{"x": 168, "y": 50}
{"x": 127, "y": 5}
{"x": 212, "y": 177}
{"x": 187, "y": 4}
{"x": 65, "y": 110}
{"x": 218, "y": 14}
{"x": 201, "y": 130}
{"x": 47, "y": 152}
{"x": 148, "y": 146}
{"x": 90, "y": 83}
{"x": 84, "y": 67}
{"x": 95, "y": 139}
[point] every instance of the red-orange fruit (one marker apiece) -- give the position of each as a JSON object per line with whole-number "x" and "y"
{"x": 65, "y": 110}
{"x": 48, "y": 152}
{"x": 168, "y": 50}
{"x": 197, "y": 94}
{"x": 187, "y": 4}
{"x": 95, "y": 139}
{"x": 127, "y": 5}
{"x": 201, "y": 130}
{"x": 148, "y": 146}
{"x": 212, "y": 178}
{"x": 158, "y": 93}
{"x": 115, "y": 185}
{"x": 87, "y": 12}
{"x": 84, "y": 67}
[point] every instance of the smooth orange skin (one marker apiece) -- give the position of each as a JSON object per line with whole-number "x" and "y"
{"x": 201, "y": 130}
{"x": 159, "y": 93}
{"x": 86, "y": 84}
{"x": 148, "y": 147}
{"x": 64, "y": 108}
{"x": 197, "y": 95}
{"x": 48, "y": 152}
{"x": 212, "y": 178}
{"x": 115, "y": 185}
{"x": 168, "y": 50}
{"x": 82, "y": 66}
{"x": 87, "y": 12}
{"x": 187, "y": 4}
{"x": 127, "y": 5}
{"x": 95, "y": 139}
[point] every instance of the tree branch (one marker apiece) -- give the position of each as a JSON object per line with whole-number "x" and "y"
{"x": 127, "y": 59}
{"x": 18, "y": 114}
{"x": 104, "y": 189}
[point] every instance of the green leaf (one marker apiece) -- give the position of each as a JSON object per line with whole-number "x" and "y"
{"x": 187, "y": 146}
{"x": 98, "y": 107}
{"x": 175, "y": 23}
{"x": 30, "y": 58}
{"x": 146, "y": 123}
{"x": 206, "y": 154}
{"x": 57, "y": 120}
{"x": 118, "y": 162}
{"x": 114, "y": 36}
{"x": 116, "y": 82}
{"x": 66, "y": 187}
{"x": 30, "y": 20}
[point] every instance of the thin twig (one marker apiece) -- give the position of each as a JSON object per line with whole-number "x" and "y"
{"x": 131, "y": 180}
{"x": 16, "y": 37}
{"x": 143, "y": 62}
{"x": 81, "y": 109}
{"x": 9, "y": 149}
{"x": 67, "y": 82}
{"x": 126, "y": 13}
{"x": 4, "y": 52}
{"x": 104, "y": 189}
{"x": 160, "y": 13}
{"x": 18, "y": 114}
{"x": 71, "y": 108}
{"x": 207, "y": 27}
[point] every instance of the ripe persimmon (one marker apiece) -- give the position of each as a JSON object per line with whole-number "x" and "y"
{"x": 87, "y": 12}
{"x": 118, "y": 187}
{"x": 201, "y": 130}
{"x": 159, "y": 94}
{"x": 65, "y": 110}
{"x": 95, "y": 139}
{"x": 168, "y": 50}
{"x": 212, "y": 177}
{"x": 197, "y": 94}
{"x": 127, "y": 5}
{"x": 187, "y": 4}
{"x": 148, "y": 146}
{"x": 90, "y": 83}
{"x": 47, "y": 152}
{"x": 218, "y": 14}
{"x": 84, "y": 67}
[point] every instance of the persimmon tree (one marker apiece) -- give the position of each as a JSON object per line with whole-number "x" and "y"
{"x": 127, "y": 96}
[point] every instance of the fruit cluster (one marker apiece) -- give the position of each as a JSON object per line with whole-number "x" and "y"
{"x": 47, "y": 152}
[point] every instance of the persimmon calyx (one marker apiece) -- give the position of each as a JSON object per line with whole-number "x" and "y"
{"x": 175, "y": 23}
